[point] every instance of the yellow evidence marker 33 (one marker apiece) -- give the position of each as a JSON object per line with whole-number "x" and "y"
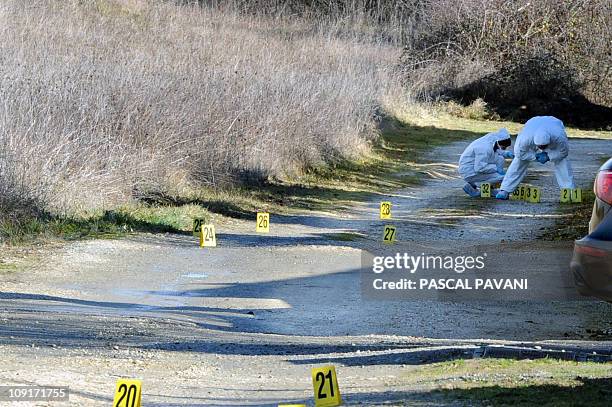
{"x": 385, "y": 210}
{"x": 128, "y": 393}
{"x": 208, "y": 237}
{"x": 263, "y": 222}
{"x": 485, "y": 190}
{"x": 325, "y": 384}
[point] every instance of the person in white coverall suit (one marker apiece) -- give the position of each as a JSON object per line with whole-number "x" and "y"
{"x": 483, "y": 160}
{"x": 542, "y": 139}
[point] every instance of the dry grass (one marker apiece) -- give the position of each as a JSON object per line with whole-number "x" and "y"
{"x": 106, "y": 101}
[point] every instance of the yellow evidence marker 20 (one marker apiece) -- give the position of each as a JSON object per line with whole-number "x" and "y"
{"x": 208, "y": 237}
{"x": 576, "y": 195}
{"x": 128, "y": 393}
{"x": 197, "y": 226}
{"x": 263, "y": 222}
{"x": 385, "y": 210}
{"x": 325, "y": 384}
{"x": 389, "y": 234}
{"x": 485, "y": 190}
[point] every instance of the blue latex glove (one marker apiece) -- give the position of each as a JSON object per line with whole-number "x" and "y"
{"x": 502, "y": 195}
{"x": 508, "y": 154}
{"x": 542, "y": 157}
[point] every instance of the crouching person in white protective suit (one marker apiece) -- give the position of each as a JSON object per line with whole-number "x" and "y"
{"x": 542, "y": 139}
{"x": 483, "y": 161}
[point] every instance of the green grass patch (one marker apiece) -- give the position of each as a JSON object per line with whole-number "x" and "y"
{"x": 507, "y": 382}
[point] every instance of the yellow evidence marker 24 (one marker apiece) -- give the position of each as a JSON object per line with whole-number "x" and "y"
{"x": 208, "y": 237}
{"x": 263, "y": 222}
{"x": 385, "y": 210}
{"x": 485, "y": 190}
{"x": 197, "y": 225}
{"x": 389, "y": 234}
{"x": 576, "y": 195}
{"x": 128, "y": 393}
{"x": 325, "y": 384}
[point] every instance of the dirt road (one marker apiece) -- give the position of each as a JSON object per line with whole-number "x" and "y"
{"x": 243, "y": 323}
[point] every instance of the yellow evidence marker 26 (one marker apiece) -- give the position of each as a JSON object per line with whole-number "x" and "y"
{"x": 263, "y": 222}
{"x": 127, "y": 393}
{"x": 325, "y": 384}
{"x": 385, "y": 210}
{"x": 389, "y": 234}
{"x": 207, "y": 236}
{"x": 576, "y": 195}
{"x": 197, "y": 225}
{"x": 485, "y": 190}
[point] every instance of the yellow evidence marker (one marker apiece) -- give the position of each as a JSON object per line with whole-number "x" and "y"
{"x": 325, "y": 384}
{"x": 485, "y": 190}
{"x": 128, "y": 393}
{"x": 576, "y": 196}
{"x": 207, "y": 236}
{"x": 389, "y": 234}
{"x": 522, "y": 191}
{"x": 263, "y": 222}
{"x": 535, "y": 194}
{"x": 516, "y": 195}
{"x": 566, "y": 195}
{"x": 385, "y": 210}
{"x": 197, "y": 225}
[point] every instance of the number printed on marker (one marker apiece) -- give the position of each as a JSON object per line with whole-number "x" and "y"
{"x": 197, "y": 225}
{"x": 128, "y": 393}
{"x": 325, "y": 384}
{"x": 385, "y": 210}
{"x": 389, "y": 234}
{"x": 263, "y": 222}
{"x": 208, "y": 237}
{"x": 485, "y": 190}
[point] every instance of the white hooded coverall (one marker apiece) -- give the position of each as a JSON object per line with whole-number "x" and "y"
{"x": 479, "y": 163}
{"x": 540, "y": 130}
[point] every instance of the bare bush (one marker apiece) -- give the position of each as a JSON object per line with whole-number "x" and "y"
{"x": 106, "y": 100}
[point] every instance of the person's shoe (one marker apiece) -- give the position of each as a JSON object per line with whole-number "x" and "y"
{"x": 471, "y": 191}
{"x": 502, "y": 195}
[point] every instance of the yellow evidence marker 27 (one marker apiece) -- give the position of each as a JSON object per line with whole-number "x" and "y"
{"x": 197, "y": 225}
{"x": 325, "y": 384}
{"x": 389, "y": 234}
{"x": 263, "y": 222}
{"x": 207, "y": 236}
{"x": 485, "y": 190}
{"x": 127, "y": 393}
{"x": 385, "y": 210}
{"x": 576, "y": 195}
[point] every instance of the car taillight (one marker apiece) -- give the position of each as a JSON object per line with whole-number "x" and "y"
{"x": 603, "y": 186}
{"x": 590, "y": 251}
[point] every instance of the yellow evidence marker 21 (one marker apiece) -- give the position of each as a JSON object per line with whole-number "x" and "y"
{"x": 389, "y": 234}
{"x": 127, "y": 393}
{"x": 485, "y": 190}
{"x": 207, "y": 236}
{"x": 325, "y": 384}
{"x": 576, "y": 196}
{"x": 263, "y": 222}
{"x": 385, "y": 210}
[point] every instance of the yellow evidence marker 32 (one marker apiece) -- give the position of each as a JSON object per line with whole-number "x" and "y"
{"x": 485, "y": 190}
{"x": 128, "y": 393}
{"x": 325, "y": 384}
{"x": 208, "y": 237}
{"x": 385, "y": 210}
{"x": 389, "y": 234}
{"x": 263, "y": 222}
{"x": 576, "y": 195}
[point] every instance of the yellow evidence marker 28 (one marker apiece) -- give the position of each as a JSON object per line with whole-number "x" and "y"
{"x": 485, "y": 190}
{"x": 385, "y": 210}
{"x": 263, "y": 222}
{"x": 197, "y": 225}
{"x": 389, "y": 234}
{"x": 208, "y": 237}
{"x": 576, "y": 195}
{"x": 127, "y": 393}
{"x": 325, "y": 384}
